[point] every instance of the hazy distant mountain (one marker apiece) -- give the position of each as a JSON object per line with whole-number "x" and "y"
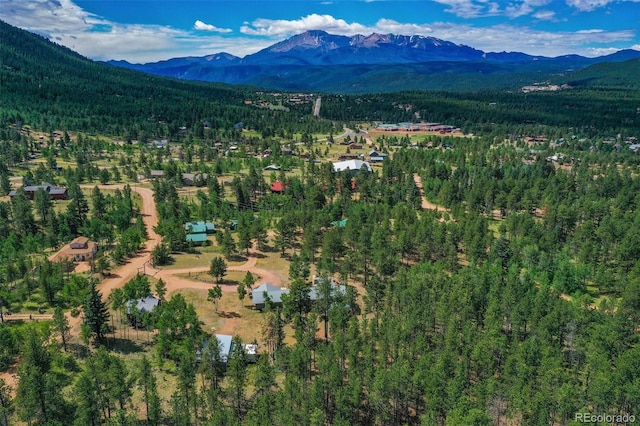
{"x": 377, "y": 62}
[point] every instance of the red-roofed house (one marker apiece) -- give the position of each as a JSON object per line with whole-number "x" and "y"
{"x": 277, "y": 187}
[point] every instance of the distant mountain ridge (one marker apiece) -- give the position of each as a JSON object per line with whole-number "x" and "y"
{"x": 377, "y": 62}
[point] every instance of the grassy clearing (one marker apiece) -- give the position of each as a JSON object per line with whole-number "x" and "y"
{"x": 230, "y": 278}
{"x": 202, "y": 257}
{"x": 234, "y": 317}
{"x": 272, "y": 261}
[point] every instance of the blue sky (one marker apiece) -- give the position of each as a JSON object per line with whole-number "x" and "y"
{"x": 144, "y": 31}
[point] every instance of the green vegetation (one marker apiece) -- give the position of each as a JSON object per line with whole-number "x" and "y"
{"x": 516, "y": 301}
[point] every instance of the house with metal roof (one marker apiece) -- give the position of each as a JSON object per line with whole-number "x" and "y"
{"x": 197, "y": 231}
{"x": 351, "y": 166}
{"x": 260, "y": 294}
{"x": 55, "y": 192}
{"x": 146, "y": 304}
{"x": 226, "y": 344}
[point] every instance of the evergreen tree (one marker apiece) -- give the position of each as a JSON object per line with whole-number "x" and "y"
{"x": 39, "y": 392}
{"x": 6, "y": 404}
{"x": 61, "y": 326}
{"x": 214, "y": 295}
{"x": 146, "y": 381}
{"x": 218, "y": 268}
{"x": 96, "y": 314}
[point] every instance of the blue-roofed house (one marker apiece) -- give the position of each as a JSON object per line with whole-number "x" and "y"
{"x": 226, "y": 343}
{"x": 141, "y": 306}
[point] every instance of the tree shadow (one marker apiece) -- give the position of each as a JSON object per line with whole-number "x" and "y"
{"x": 125, "y": 346}
{"x": 238, "y": 258}
{"x": 231, "y": 314}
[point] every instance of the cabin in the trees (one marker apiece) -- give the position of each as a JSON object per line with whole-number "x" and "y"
{"x": 260, "y": 294}
{"x": 352, "y": 166}
{"x": 348, "y": 156}
{"x": 197, "y": 231}
{"x": 340, "y": 223}
{"x": 278, "y": 187}
{"x": 194, "y": 179}
{"x": 225, "y": 342}
{"x": 79, "y": 250}
{"x": 55, "y": 192}
{"x": 156, "y": 174}
{"x": 141, "y": 306}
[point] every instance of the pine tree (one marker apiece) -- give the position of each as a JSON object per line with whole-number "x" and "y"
{"x": 6, "y": 406}
{"x": 214, "y": 295}
{"x": 61, "y": 326}
{"x": 96, "y": 315}
{"x": 218, "y": 268}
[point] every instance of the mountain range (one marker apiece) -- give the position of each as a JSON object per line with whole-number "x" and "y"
{"x": 319, "y": 61}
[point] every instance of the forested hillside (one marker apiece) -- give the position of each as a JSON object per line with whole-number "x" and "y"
{"x": 51, "y": 87}
{"x": 486, "y": 273}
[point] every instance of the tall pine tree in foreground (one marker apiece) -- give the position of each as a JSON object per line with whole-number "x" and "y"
{"x": 96, "y": 315}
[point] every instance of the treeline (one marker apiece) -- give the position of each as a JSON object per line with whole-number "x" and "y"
{"x": 596, "y": 112}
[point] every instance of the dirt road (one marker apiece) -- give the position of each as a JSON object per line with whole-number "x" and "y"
{"x": 426, "y": 204}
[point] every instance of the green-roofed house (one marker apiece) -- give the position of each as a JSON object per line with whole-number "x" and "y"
{"x": 340, "y": 223}
{"x": 197, "y": 231}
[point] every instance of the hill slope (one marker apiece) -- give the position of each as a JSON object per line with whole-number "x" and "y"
{"x": 50, "y": 86}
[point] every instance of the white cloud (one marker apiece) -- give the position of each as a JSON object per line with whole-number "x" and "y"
{"x": 464, "y": 8}
{"x": 201, "y": 26}
{"x": 470, "y": 9}
{"x": 281, "y": 27}
{"x": 483, "y": 8}
{"x": 545, "y": 15}
{"x": 591, "y": 5}
{"x": 97, "y": 38}
{"x": 588, "y": 5}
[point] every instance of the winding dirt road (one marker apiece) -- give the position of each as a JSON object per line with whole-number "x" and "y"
{"x": 140, "y": 263}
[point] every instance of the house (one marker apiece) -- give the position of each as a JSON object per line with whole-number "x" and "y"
{"x": 260, "y": 294}
{"x": 225, "y": 344}
{"x": 55, "y": 192}
{"x": 156, "y": 174}
{"x": 140, "y": 306}
{"x": 278, "y": 187}
{"x": 286, "y": 151}
{"x": 376, "y": 159}
{"x": 161, "y": 144}
{"x": 376, "y": 153}
{"x": 194, "y": 179}
{"x": 354, "y": 145}
{"x": 197, "y": 231}
{"x": 340, "y": 223}
{"x": 272, "y": 167}
{"x": 348, "y": 156}
{"x": 352, "y": 166}
{"x": 80, "y": 249}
